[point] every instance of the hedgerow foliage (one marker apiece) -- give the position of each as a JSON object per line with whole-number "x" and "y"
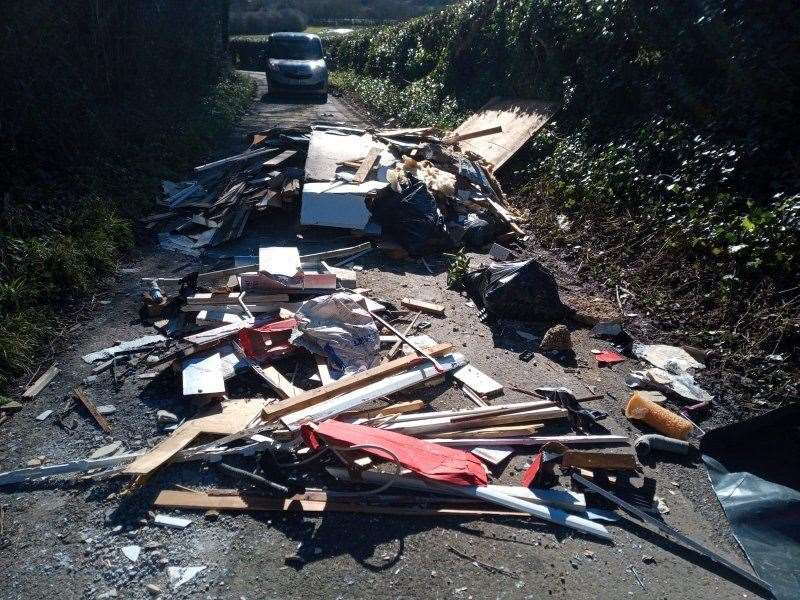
{"x": 100, "y": 100}
{"x": 682, "y": 114}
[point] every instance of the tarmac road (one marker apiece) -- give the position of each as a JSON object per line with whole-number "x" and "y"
{"x": 63, "y": 539}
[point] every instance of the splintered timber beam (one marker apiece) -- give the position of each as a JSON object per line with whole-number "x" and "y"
{"x": 81, "y": 395}
{"x": 320, "y": 394}
{"x": 41, "y": 383}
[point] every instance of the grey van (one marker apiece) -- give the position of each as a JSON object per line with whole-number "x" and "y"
{"x": 296, "y": 64}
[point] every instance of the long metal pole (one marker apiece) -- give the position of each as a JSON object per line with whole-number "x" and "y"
{"x": 674, "y": 533}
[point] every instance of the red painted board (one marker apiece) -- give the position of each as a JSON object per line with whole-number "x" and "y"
{"x": 529, "y": 476}
{"x": 267, "y": 342}
{"x": 609, "y": 357}
{"x": 431, "y": 461}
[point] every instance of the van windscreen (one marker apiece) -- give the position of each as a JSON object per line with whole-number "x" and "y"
{"x": 295, "y": 49}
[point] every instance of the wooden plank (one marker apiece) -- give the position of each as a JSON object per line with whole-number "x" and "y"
{"x": 282, "y": 386}
{"x": 241, "y": 502}
{"x": 420, "y": 305}
{"x": 238, "y": 157}
{"x": 323, "y": 370}
{"x": 280, "y": 159}
{"x": 367, "y": 165}
{"x": 451, "y": 424}
{"x": 203, "y": 376}
{"x": 469, "y": 135}
{"x": 227, "y": 417}
{"x": 478, "y": 382}
{"x": 141, "y": 344}
{"x": 520, "y": 121}
{"x": 392, "y": 409}
{"x": 599, "y": 460}
{"x": 233, "y": 298}
{"x": 532, "y": 441}
{"x": 476, "y": 399}
{"x": 340, "y": 252}
{"x": 482, "y": 411}
{"x": 81, "y": 395}
{"x": 41, "y": 383}
{"x": 494, "y": 455}
{"x": 315, "y": 396}
{"x": 305, "y": 259}
{"x": 493, "y": 432}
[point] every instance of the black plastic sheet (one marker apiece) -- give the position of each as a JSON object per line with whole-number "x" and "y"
{"x": 522, "y": 290}
{"x": 412, "y": 218}
{"x": 754, "y": 467}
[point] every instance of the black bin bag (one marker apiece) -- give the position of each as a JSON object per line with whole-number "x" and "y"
{"x": 754, "y": 467}
{"x": 412, "y": 218}
{"x": 522, "y": 290}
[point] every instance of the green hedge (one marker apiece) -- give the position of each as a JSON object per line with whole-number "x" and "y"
{"x": 100, "y": 102}
{"x": 678, "y": 125}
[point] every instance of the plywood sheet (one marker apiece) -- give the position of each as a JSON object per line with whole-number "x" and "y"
{"x": 225, "y": 418}
{"x": 520, "y": 120}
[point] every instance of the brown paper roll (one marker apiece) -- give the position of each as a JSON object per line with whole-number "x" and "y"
{"x": 659, "y": 418}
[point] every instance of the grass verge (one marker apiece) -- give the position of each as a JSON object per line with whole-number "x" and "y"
{"x": 60, "y": 237}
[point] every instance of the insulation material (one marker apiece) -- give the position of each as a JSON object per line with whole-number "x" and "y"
{"x": 430, "y": 461}
{"x": 328, "y": 149}
{"x": 337, "y": 204}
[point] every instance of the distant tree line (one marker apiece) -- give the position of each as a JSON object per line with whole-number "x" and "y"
{"x": 267, "y": 16}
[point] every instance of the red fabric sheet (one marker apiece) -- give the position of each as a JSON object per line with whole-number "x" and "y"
{"x": 431, "y": 461}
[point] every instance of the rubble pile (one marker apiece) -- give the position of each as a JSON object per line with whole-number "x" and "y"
{"x": 328, "y": 367}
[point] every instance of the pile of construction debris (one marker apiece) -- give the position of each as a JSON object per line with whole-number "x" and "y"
{"x": 329, "y": 366}
{"x": 413, "y": 187}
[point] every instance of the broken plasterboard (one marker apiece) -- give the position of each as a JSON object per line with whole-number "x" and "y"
{"x": 337, "y": 204}
{"x": 327, "y": 150}
{"x": 520, "y": 121}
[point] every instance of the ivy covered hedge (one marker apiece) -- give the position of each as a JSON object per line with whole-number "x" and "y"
{"x": 678, "y": 123}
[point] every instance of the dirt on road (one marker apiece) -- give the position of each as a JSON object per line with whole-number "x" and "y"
{"x": 64, "y": 538}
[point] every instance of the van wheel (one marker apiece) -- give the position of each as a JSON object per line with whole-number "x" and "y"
{"x": 323, "y": 98}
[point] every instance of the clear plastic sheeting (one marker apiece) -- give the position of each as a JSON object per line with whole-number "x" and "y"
{"x": 754, "y": 467}
{"x": 338, "y": 327}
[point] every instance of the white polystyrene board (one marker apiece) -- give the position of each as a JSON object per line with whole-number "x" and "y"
{"x": 478, "y": 381}
{"x": 279, "y": 260}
